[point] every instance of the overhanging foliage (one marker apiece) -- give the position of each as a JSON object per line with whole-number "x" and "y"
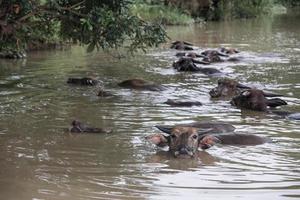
{"x": 101, "y": 24}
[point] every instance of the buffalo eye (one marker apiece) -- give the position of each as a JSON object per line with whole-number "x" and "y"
{"x": 195, "y": 136}
{"x": 173, "y": 136}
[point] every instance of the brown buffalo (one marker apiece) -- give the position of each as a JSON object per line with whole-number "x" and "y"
{"x": 185, "y": 141}
{"x": 208, "y": 140}
{"x": 182, "y": 45}
{"x": 182, "y": 141}
{"x": 183, "y": 103}
{"x": 287, "y": 114}
{"x": 78, "y": 127}
{"x": 227, "y": 88}
{"x": 211, "y": 52}
{"x": 139, "y": 84}
{"x": 213, "y": 58}
{"x": 229, "y": 51}
{"x": 83, "y": 81}
{"x": 189, "y": 64}
{"x": 255, "y": 99}
{"x": 189, "y": 54}
{"x": 103, "y": 93}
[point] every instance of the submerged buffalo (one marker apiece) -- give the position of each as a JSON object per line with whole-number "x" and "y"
{"x": 183, "y": 103}
{"x": 229, "y": 51}
{"x": 79, "y": 127}
{"x": 182, "y": 141}
{"x": 255, "y": 99}
{"x": 182, "y": 45}
{"x": 189, "y": 64}
{"x": 185, "y": 141}
{"x": 287, "y": 114}
{"x": 213, "y": 56}
{"x": 139, "y": 84}
{"x": 211, "y": 52}
{"x": 103, "y": 93}
{"x": 208, "y": 140}
{"x": 227, "y": 88}
{"x": 189, "y": 54}
{"x": 83, "y": 81}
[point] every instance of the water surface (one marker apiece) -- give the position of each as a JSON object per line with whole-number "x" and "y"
{"x": 40, "y": 160}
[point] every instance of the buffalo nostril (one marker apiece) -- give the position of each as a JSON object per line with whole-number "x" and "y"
{"x": 183, "y": 151}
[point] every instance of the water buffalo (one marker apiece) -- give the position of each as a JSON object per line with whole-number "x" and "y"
{"x": 227, "y": 87}
{"x": 83, "y": 81}
{"x": 78, "y": 127}
{"x": 139, "y": 84}
{"x": 212, "y": 58}
{"x": 189, "y": 54}
{"x": 208, "y": 140}
{"x": 182, "y": 45}
{"x": 229, "y": 51}
{"x": 183, "y": 103}
{"x": 208, "y": 53}
{"x": 255, "y": 99}
{"x": 287, "y": 114}
{"x": 102, "y": 93}
{"x": 189, "y": 64}
{"x": 182, "y": 141}
{"x": 185, "y": 141}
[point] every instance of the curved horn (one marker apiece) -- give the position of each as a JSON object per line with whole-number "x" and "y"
{"x": 164, "y": 129}
{"x": 204, "y": 131}
{"x": 270, "y": 94}
{"x": 222, "y": 54}
{"x": 187, "y": 43}
{"x": 239, "y": 85}
{"x": 276, "y": 102}
{"x": 200, "y": 62}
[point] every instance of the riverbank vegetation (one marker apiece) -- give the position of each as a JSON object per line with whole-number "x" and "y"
{"x": 167, "y": 15}
{"x": 102, "y": 24}
{"x": 110, "y": 24}
{"x": 183, "y": 12}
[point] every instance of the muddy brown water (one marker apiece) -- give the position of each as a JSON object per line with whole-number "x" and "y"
{"x": 40, "y": 160}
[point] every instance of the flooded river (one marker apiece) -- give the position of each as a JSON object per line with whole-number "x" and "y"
{"x": 39, "y": 159}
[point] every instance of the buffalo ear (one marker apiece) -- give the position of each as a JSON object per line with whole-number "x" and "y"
{"x": 164, "y": 129}
{"x": 157, "y": 139}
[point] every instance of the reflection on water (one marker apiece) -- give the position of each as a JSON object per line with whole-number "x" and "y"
{"x": 40, "y": 160}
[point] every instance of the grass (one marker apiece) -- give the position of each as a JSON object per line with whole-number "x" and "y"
{"x": 163, "y": 14}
